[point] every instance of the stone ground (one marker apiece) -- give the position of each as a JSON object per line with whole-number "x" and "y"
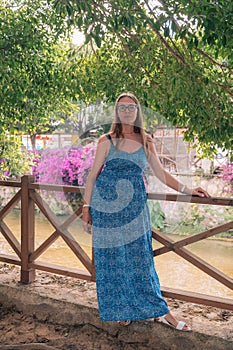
{"x": 39, "y": 330}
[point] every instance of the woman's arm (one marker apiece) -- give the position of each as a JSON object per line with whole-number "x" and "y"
{"x": 100, "y": 156}
{"x": 166, "y": 177}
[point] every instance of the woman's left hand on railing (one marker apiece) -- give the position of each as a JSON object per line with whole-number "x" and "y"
{"x": 199, "y": 191}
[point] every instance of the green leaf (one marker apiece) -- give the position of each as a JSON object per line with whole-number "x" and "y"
{"x": 87, "y": 38}
{"x": 174, "y": 26}
{"x": 97, "y": 40}
{"x": 166, "y": 31}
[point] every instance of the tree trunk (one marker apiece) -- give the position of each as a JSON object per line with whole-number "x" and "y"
{"x": 33, "y": 141}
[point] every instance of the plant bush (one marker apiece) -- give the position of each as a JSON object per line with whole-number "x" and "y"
{"x": 67, "y": 166}
{"x": 14, "y": 161}
{"x": 157, "y": 215}
{"x": 49, "y": 165}
{"x": 75, "y": 169}
{"x": 227, "y": 176}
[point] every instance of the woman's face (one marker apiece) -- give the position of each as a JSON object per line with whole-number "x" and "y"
{"x": 127, "y": 110}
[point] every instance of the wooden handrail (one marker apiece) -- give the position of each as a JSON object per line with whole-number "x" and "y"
{"x": 56, "y": 188}
{"x": 191, "y": 199}
{"x": 27, "y": 255}
{"x": 10, "y": 183}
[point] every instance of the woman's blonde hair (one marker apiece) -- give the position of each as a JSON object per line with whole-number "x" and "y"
{"x": 116, "y": 127}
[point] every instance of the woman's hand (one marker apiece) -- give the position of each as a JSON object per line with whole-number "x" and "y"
{"x": 199, "y": 191}
{"x": 86, "y": 220}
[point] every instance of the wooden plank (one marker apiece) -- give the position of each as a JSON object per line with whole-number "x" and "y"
{"x": 77, "y": 250}
{"x": 48, "y": 213}
{"x": 11, "y": 239}
{"x": 10, "y": 259}
{"x": 76, "y": 215}
{"x": 51, "y": 239}
{"x": 160, "y": 251}
{"x": 161, "y": 238}
{"x": 187, "y": 296}
{"x": 44, "y": 207}
{"x": 10, "y": 183}
{"x": 191, "y": 199}
{"x": 61, "y": 270}
{"x": 27, "y": 230}
{"x": 56, "y": 188}
{"x": 197, "y": 298}
{"x": 10, "y": 205}
{"x": 204, "y": 266}
{"x": 170, "y": 244}
{"x": 44, "y": 246}
{"x": 193, "y": 259}
{"x": 208, "y": 233}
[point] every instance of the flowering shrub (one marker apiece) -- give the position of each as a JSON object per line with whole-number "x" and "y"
{"x": 77, "y": 164}
{"x": 68, "y": 166}
{"x": 227, "y": 175}
{"x": 75, "y": 169}
{"x": 48, "y": 169}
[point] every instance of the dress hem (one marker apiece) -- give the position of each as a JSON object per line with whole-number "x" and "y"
{"x": 136, "y": 318}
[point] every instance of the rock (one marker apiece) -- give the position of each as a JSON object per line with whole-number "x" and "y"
{"x": 212, "y": 316}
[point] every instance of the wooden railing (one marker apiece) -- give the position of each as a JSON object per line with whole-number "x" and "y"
{"x": 27, "y": 256}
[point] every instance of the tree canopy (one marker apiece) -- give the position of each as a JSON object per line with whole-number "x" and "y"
{"x": 176, "y": 55}
{"x": 35, "y": 81}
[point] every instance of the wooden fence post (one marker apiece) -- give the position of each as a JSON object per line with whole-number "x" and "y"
{"x": 27, "y": 230}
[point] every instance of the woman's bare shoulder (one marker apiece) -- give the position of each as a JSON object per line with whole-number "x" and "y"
{"x": 103, "y": 138}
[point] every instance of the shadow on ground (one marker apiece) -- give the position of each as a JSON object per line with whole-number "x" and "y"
{"x": 29, "y": 321}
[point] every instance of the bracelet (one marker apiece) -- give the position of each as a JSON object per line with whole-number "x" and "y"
{"x": 182, "y": 188}
{"x": 86, "y": 205}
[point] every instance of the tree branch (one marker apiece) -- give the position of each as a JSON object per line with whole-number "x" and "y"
{"x": 204, "y": 54}
{"x": 164, "y": 42}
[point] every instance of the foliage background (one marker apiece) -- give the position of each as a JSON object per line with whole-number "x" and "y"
{"x": 176, "y": 56}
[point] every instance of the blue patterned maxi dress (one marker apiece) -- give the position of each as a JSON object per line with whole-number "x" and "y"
{"x": 127, "y": 284}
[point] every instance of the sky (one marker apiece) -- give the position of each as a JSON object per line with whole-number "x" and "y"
{"x": 78, "y": 37}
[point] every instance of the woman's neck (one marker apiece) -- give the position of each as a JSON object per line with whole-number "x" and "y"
{"x": 127, "y": 129}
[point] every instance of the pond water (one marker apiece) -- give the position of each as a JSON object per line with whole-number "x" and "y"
{"x": 173, "y": 271}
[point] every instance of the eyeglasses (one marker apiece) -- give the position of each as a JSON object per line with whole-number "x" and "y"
{"x": 131, "y": 108}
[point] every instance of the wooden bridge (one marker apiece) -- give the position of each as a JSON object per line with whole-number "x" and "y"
{"x": 27, "y": 256}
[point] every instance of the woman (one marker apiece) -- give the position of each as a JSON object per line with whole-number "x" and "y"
{"x": 116, "y": 208}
